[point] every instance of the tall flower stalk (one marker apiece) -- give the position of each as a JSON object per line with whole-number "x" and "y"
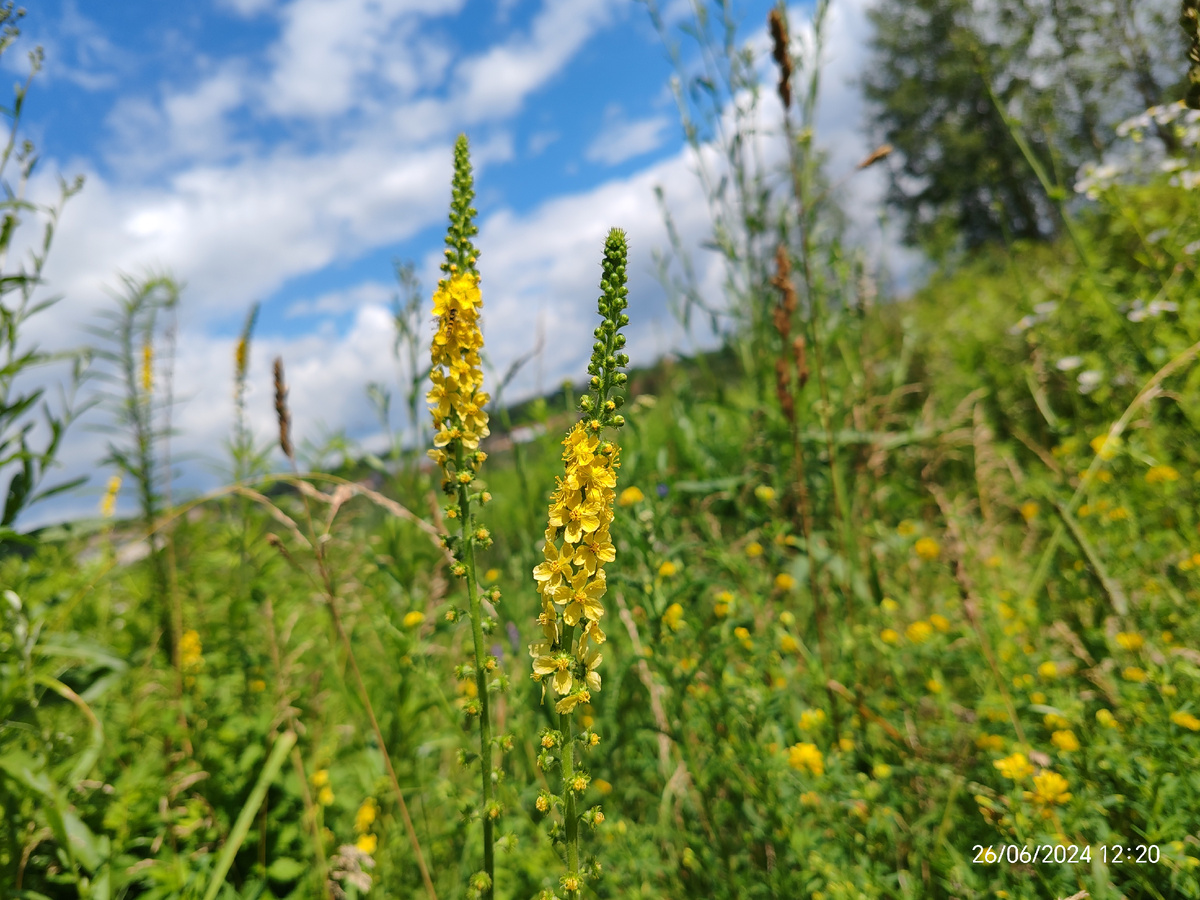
{"x": 459, "y": 423}
{"x": 571, "y": 579}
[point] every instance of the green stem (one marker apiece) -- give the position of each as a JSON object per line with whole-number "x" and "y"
{"x": 481, "y": 675}
{"x": 570, "y": 813}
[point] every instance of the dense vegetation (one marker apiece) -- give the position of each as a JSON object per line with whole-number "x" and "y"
{"x": 897, "y": 585}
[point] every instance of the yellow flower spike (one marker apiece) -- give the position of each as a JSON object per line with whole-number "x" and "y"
{"x": 108, "y": 505}
{"x": 190, "y": 650}
{"x": 147, "y": 367}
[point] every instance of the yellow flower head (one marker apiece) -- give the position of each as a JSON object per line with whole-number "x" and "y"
{"x": 1029, "y": 510}
{"x": 1048, "y": 669}
{"x": 1106, "y": 718}
{"x": 907, "y": 528}
{"x": 365, "y": 817}
{"x": 889, "y": 605}
{"x": 1130, "y": 640}
{"x": 989, "y": 742}
{"x": 367, "y": 843}
{"x": 889, "y": 636}
{"x": 325, "y": 796}
{"x": 1049, "y": 789}
{"x": 1156, "y": 474}
{"x": 1105, "y": 446}
{"x": 806, "y": 756}
{"x": 673, "y": 617}
{"x": 1134, "y": 673}
{"x": 918, "y": 632}
{"x": 940, "y": 622}
{"x": 1015, "y": 767}
{"x": 1185, "y": 720}
{"x": 667, "y": 569}
{"x": 811, "y": 718}
{"x": 413, "y": 618}
{"x": 927, "y": 549}
{"x": 630, "y": 496}
{"x": 1065, "y": 741}
{"x": 784, "y": 581}
{"x": 754, "y": 549}
{"x": 765, "y": 493}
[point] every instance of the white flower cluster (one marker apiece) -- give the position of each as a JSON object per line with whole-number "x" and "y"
{"x": 1184, "y": 123}
{"x": 1140, "y": 311}
{"x": 1040, "y": 314}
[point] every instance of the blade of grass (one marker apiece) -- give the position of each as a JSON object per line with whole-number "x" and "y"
{"x": 283, "y": 744}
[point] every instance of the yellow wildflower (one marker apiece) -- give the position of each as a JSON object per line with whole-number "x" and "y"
{"x": 1065, "y": 741}
{"x": 1029, "y": 510}
{"x": 940, "y": 622}
{"x": 811, "y": 718}
{"x": 1106, "y": 718}
{"x": 989, "y": 742}
{"x": 1049, "y": 789}
{"x": 673, "y": 617}
{"x": 630, "y": 496}
{"x": 754, "y": 549}
{"x": 784, "y": 581}
{"x": 741, "y": 633}
{"x": 1015, "y": 767}
{"x": 993, "y": 561}
{"x": 810, "y": 798}
{"x": 787, "y": 618}
{"x": 788, "y": 644}
{"x": 927, "y": 549}
{"x": 258, "y": 685}
{"x": 147, "y": 367}
{"x": 1054, "y": 720}
{"x": 491, "y": 575}
{"x": 325, "y": 796}
{"x": 1037, "y": 697}
{"x": 765, "y": 493}
{"x": 722, "y": 606}
{"x": 320, "y": 778}
{"x": 1048, "y": 669}
{"x": 367, "y": 843}
{"x": 667, "y": 569}
{"x": 190, "y": 650}
{"x": 881, "y": 771}
{"x": 1105, "y": 446}
{"x": 602, "y": 786}
{"x": 907, "y": 528}
{"x": 933, "y": 686}
{"x": 365, "y": 817}
{"x": 845, "y": 744}
{"x": 1134, "y": 673}
{"x": 1156, "y": 474}
{"x": 1185, "y": 720}
{"x": 918, "y": 632}
{"x": 887, "y": 604}
{"x": 413, "y": 618}
{"x": 806, "y": 756}
{"x": 889, "y": 636}
{"x": 109, "y": 504}
{"x": 1130, "y": 640}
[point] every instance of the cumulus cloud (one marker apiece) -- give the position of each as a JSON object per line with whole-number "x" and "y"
{"x": 621, "y": 139}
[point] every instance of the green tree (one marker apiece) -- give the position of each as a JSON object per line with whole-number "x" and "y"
{"x": 1066, "y": 70}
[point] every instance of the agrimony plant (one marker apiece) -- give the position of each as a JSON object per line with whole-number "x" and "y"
{"x": 459, "y": 422}
{"x": 571, "y": 579}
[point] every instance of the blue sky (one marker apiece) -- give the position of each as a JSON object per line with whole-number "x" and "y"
{"x": 286, "y": 151}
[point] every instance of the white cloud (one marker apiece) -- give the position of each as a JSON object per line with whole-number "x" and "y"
{"x": 620, "y": 139}
{"x": 246, "y": 8}
{"x": 334, "y": 303}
